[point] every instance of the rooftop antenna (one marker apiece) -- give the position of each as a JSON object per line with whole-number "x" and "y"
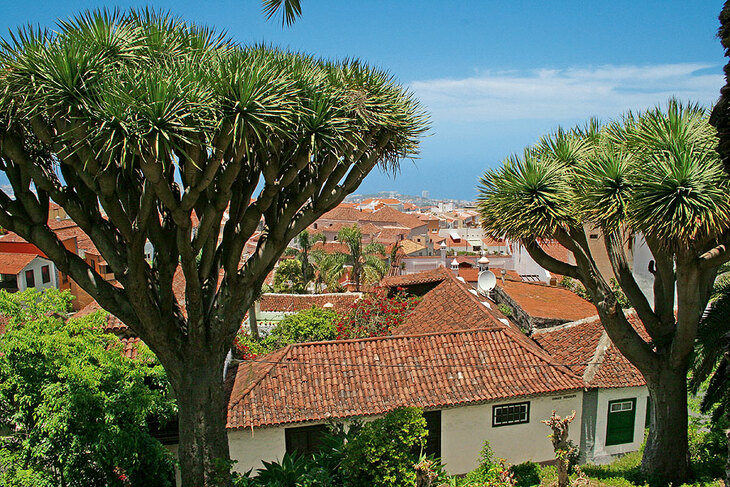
{"x": 486, "y": 282}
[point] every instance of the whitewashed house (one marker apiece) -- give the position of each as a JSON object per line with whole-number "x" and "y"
{"x": 19, "y": 271}
{"x": 476, "y": 376}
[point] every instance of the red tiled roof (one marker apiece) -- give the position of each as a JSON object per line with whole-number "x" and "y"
{"x": 469, "y": 274}
{"x": 387, "y": 214}
{"x": 385, "y": 201}
{"x": 297, "y": 302}
{"x": 343, "y": 213}
{"x": 332, "y": 247}
{"x": 583, "y": 342}
{"x": 543, "y": 301}
{"x": 433, "y": 275}
{"x": 450, "y": 306}
{"x": 130, "y": 346}
{"x": 450, "y": 242}
{"x": 12, "y": 263}
{"x": 340, "y": 379}
{"x": 113, "y": 324}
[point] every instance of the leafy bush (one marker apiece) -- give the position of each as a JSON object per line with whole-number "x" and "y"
{"x": 385, "y": 450}
{"x": 708, "y": 448}
{"x": 77, "y": 406}
{"x": 311, "y": 325}
{"x": 290, "y": 472}
{"x": 526, "y": 474}
{"x": 491, "y": 471}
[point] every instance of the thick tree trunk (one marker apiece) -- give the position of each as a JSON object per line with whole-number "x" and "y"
{"x": 666, "y": 457}
{"x": 203, "y": 451}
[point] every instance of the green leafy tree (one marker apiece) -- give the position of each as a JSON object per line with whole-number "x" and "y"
{"x": 385, "y": 450}
{"x": 657, "y": 174}
{"x": 144, "y": 127}
{"x": 311, "y": 325}
{"x": 367, "y": 261}
{"x": 75, "y": 407}
{"x": 326, "y": 270}
{"x": 288, "y": 277}
{"x": 306, "y": 242}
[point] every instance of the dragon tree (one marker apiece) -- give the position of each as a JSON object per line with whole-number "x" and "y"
{"x": 658, "y": 174}
{"x": 148, "y": 128}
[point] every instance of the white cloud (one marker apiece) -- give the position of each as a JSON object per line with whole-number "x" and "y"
{"x": 566, "y": 94}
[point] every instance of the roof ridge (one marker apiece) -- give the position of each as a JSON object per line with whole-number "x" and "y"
{"x": 394, "y": 337}
{"x": 476, "y": 300}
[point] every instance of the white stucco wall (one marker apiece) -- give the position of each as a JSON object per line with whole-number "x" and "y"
{"x": 603, "y": 453}
{"x": 464, "y": 430}
{"x": 249, "y": 448}
{"x": 36, "y": 265}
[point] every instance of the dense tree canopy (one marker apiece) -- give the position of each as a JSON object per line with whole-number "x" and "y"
{"x": 146, "y": 128}
{"x": 76, "y": 407}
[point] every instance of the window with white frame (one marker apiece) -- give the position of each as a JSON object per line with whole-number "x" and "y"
{"x": 515, "y": 413}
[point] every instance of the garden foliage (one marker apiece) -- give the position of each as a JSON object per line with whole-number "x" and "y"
{"x": 75, "y": 409}
{"x": 376, "y": 314}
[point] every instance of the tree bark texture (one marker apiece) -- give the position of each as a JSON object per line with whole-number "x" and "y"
{"x": 666, "y": 454}
{"x": 203, "y": 448}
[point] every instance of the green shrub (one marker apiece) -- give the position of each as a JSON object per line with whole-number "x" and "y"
{"x": 311, "y": 325}
{"x": 526, "y": 474}
{"x": 77, "y": 406}
{"x": 290, "y": 472}
{"x": 491, "y": 471}
{"x": 385, "y": 450}
{"x": 708, "y": 449}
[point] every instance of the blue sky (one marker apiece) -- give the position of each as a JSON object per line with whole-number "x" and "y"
{"x": 495, "y": 75}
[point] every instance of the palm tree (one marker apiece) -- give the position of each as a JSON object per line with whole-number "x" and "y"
{"x": 367, "y": 262}
{"x": 326, "y": 270}
{"x": 712, "y": 355}
{"x": 657, "y": 174}
{"x": 306, "y": 242}
{"x": 291, "y": 10}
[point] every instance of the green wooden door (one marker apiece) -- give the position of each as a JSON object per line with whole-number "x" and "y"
{"x": 621, "y": 419}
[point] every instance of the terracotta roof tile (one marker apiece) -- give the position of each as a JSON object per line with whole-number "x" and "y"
{"x": 297, "y": 302}
{"x": 450, "y": 306}
{"x": 469, "y": 274}
{"x": 577, "y": 345}
{"x": 331, "y": 247}
{"x": 130, "y": 346}
{"x": 340, "y": 379}
{"x": 12, "y": 263}
{"x": 543, "y": 301}
{"x": 433, "y": 275}
{"x": 387, "y": 214}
